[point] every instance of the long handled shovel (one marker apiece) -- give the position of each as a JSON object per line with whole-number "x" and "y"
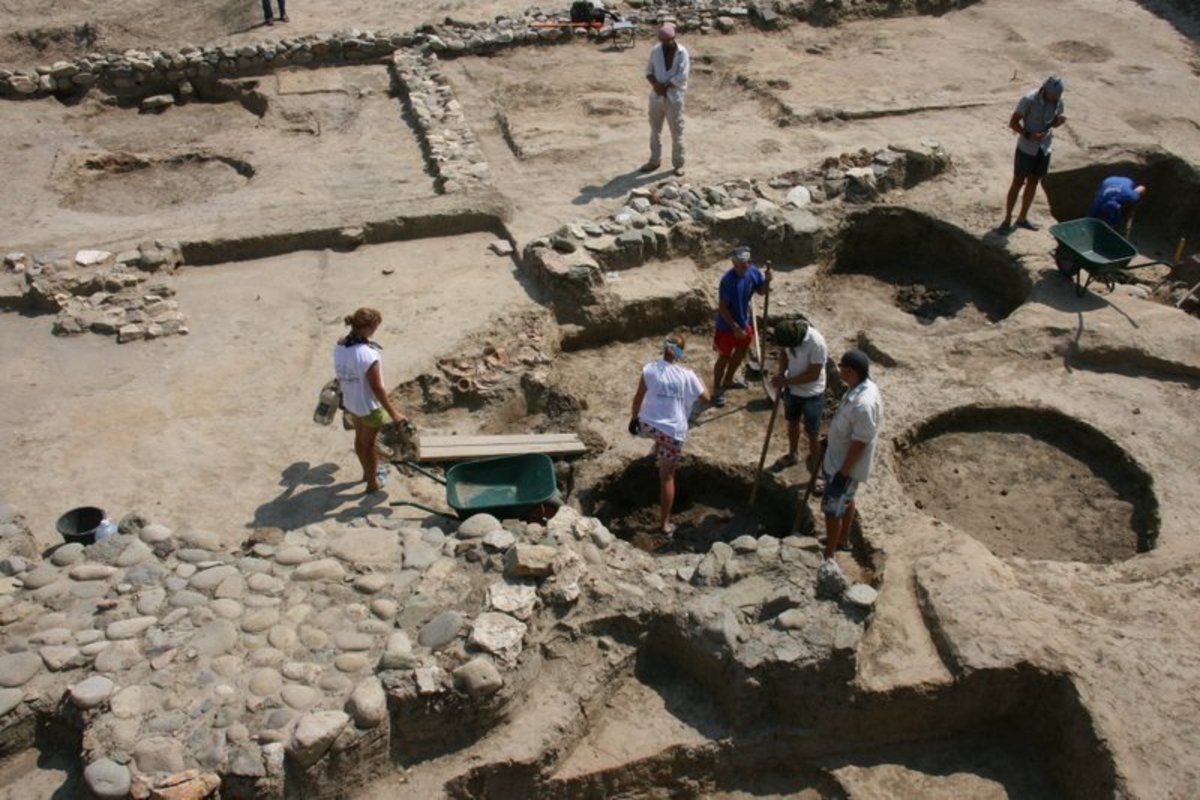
{"x": 762, "y": 458}
{"x": 755, "y": 362}
{"x": 808, "y": 490}
{"x": 772, "y": 393}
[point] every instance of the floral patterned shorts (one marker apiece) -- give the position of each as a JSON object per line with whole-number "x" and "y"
{"x": 666, "y": 450}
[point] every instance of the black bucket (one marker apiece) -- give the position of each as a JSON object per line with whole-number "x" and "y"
{"x": 80, "y": 524}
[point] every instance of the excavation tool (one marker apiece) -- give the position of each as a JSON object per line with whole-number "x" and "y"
{"x": 755, "y": 362}
{"x": 754, "y": 365}
{"x": 1174, "y": 265}
{"x": 771, "y": 391}
{"x": 808, "y": 489}
{"x": 762, "y": 457}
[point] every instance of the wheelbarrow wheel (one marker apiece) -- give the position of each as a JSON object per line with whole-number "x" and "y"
{"x": 1065, "y": 263}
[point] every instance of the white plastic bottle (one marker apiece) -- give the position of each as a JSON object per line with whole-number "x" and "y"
{"x": 328, "y": 404}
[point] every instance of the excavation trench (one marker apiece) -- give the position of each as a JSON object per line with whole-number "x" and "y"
{"x": 711, "y": 505}
{"x": 711, "y": 727}
{"x": 1169, "y": 211}
{"x": 134, "y": 183}
{"x": 1031, "y": 482}
{"x": 934, "y": 269}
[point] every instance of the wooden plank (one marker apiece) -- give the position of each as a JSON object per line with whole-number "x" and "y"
{"x": 436, "y": 440}
{"x": 485, "y": 451}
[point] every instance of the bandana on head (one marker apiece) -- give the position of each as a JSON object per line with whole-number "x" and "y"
{"x": 675, "y": 349}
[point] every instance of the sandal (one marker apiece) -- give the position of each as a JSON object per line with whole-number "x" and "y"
{"x": 784, "y": 461}
{"x": 738, "y": 384}
{"x": 843, "y": 547}
{"x": 381, "y": 475}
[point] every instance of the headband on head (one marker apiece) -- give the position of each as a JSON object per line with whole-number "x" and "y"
{"x": 675, "y": 349}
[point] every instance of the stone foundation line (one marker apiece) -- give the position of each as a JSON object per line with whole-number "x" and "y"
{"x": 111, "y": 294}
{"x": 136, "y": 74}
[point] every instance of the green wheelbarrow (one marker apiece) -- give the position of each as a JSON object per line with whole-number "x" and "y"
{"x": 1090, "y": 244}
{"x": 507, "y": 487}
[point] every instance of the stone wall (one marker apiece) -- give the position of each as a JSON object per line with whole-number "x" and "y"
{"x": 791, "y": 218}
{"x": 145, "y": 73}
{"x": 451, "y": 149}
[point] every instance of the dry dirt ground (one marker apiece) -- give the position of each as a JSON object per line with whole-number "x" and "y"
{"x": 213, "y": 429}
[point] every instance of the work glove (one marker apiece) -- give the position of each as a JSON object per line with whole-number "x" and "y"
{"x": 634, "y": 427}
{"x": 837, "y": 485}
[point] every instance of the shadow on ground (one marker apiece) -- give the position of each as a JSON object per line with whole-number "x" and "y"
{"x": 312, "y": 494}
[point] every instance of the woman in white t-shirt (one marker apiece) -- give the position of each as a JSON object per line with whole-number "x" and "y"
{"x": 661, "y": 407}
{"x": 358, "y": 366}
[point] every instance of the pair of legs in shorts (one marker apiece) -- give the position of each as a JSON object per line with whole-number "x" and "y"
{"x": 839, "y": 515}
{"x": 366, "y": 431}
{"x": 730, "y": 353}
{"x": 806, "y": 410}
{"x": 667, "y": 452}
{"x": 1028, "y": 171}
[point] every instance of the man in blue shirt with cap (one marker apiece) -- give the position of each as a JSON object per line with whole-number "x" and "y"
{"x": 733, "y": 326}
{"x": 1116, "y": 200}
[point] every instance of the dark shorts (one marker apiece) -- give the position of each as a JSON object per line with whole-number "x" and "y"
{"x": 725, "y": 343}
{"x": 1027, "y": 166}
{"x": 808, "y": 408}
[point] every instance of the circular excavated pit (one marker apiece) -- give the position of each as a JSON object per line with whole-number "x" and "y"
{"x": 711, "y": 505}
{"x": 1031, "y": 482}
{"x": 931, "y": 269}
{"x": 130, "y": 184}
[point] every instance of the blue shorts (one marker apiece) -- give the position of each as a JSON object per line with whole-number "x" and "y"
{"x": 810, "y": 408}
{"x": 836, "y": 506}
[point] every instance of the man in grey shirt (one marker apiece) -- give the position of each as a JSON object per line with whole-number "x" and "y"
{"x": 1034, "y": 120}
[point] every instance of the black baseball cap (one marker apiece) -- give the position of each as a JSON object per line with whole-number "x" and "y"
{"x": 858, "y": 361}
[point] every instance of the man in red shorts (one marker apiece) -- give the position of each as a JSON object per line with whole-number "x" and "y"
{"x": 733, "y": 335}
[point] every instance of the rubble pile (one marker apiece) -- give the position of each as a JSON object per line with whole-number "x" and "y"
{"x": 99, "y": 291}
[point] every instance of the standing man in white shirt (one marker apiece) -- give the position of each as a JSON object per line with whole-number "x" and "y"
{"x": 853, "y": 433}
{"x": 802, "y": 378}
{"x": 667, "y": 73}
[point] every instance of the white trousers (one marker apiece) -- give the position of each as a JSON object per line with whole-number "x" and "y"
{"x": 662, "y": 108}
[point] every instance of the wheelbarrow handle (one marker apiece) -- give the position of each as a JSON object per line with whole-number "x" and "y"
{"x": 421, "y": 470}
{"x": 430, "y": 509}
